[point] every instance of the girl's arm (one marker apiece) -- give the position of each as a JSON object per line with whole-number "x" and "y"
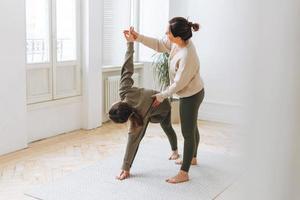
{"x": 126, "y": 81}
{"x": 135, "y": 136}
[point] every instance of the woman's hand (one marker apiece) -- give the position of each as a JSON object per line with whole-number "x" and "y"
{"x": 123, "y": 175}
{"x": 128, "y": 36}
{"x": 131, "y": 35}
{"x": 133, "y": 32}
{"x": 158, "y": 99}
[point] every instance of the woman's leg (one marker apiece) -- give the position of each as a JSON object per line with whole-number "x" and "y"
{"x": 188, "y": 115}
{"x": 194, "y": 159}
{"x": 197, "y": 137}
{"x": 197, "y": 140}
{"x": 197, "y": 134}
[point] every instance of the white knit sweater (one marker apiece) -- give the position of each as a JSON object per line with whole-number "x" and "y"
{"x": 184, "y": 66}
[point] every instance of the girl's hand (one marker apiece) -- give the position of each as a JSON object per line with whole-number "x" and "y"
{"x": 123, "y": 175}
{"x": 133, "y": 32}
{"x": 128, "y": 36}
{"x": 158, "y": 99}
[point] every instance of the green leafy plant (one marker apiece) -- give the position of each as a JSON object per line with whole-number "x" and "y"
{"x": 160, "y": 66}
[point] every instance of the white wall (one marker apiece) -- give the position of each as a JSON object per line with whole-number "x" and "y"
{"x": 12, "y": 76}
{"x": 92, "y": 60}
{"x": 52, "y": 118}
{"x": 273, "y": 123}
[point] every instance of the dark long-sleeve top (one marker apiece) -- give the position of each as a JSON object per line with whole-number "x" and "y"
{"x": 141, "y": 99}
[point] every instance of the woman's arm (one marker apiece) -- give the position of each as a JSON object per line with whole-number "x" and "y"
{"x": 185, "y": 73}
{"x": 162, "y": 45}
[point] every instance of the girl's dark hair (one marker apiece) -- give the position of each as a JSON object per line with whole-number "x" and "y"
{"x": 121, "y": 112}
{"x": 181, "y": 27}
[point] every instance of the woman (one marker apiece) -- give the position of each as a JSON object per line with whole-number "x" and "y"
{"x": 136, "y": 107}
{"x": 185, "y": 82}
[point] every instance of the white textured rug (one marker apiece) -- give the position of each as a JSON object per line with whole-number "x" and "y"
{"x": 213, "y": 175}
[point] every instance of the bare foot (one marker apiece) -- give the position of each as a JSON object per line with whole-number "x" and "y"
{"x": 123, "y": 175}
{"x": 174, "y": 155}
{"x": 193, "y": 162}
{"x": 182, "y": 176}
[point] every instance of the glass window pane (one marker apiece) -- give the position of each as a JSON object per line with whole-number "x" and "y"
{"x": 37, "y": 31}
{"x": 116, "y": 18}
{"x": 66, "y": 30}
{"x": 149, "y": 26}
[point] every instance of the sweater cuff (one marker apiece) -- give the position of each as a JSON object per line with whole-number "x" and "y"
{"x": 126, "y": 166}
{"x": 165, "y": 94}
{"x": 130, "y": 45}
{"x": 140, "y": 38}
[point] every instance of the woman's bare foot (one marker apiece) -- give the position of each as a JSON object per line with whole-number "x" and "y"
{"x": 193, "y": 162}
{"x": 174, "y": 155}
{"x": 123, "y": 175}
{"x": 182, "y": 176}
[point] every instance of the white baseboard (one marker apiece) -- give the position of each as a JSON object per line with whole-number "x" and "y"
{"x": 220, "y": 112}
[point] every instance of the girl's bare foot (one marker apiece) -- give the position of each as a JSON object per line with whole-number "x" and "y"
{"x": 174, "y": 155}
{"x": 182, "y": 176}
{"x": 123, "y": 175}
{"x": 193, "y": 162}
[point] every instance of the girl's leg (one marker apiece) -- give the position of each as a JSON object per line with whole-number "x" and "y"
{"x": 168, "y": 129}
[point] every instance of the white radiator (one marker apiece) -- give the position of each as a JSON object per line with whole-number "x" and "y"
{"x": 112, "y": 89}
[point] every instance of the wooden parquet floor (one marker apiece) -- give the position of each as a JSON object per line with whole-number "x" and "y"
{"x": 52, "y": 158}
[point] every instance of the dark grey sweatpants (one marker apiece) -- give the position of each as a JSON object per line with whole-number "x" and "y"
{"x": 188, "y": 108}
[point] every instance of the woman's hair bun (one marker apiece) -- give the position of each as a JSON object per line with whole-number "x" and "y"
{"x": 195, "y": 26}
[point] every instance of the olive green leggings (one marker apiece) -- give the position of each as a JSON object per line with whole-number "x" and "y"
{"x": 188, "y": 108}
{"x": 168, "y": 129}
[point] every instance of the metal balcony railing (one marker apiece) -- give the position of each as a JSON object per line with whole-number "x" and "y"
{"x": 37, "y": 50}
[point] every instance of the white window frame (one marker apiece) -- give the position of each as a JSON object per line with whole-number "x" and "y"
{"x": 53, "y": 65}
{"x": 134, "y": 21}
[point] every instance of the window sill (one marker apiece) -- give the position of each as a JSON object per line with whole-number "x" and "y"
{"x": 110, "y": 68}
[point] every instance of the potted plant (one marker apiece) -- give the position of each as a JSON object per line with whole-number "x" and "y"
{"x": 160, "y": 66}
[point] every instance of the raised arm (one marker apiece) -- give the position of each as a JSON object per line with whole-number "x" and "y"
{"x": 134, "y": 138}
{"x": 160, "y": 45}
{"x": 126, "y": 81}
{"x": 163, "y": 45}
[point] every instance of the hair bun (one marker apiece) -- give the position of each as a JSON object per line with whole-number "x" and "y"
{"x": 195, "y": 26}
